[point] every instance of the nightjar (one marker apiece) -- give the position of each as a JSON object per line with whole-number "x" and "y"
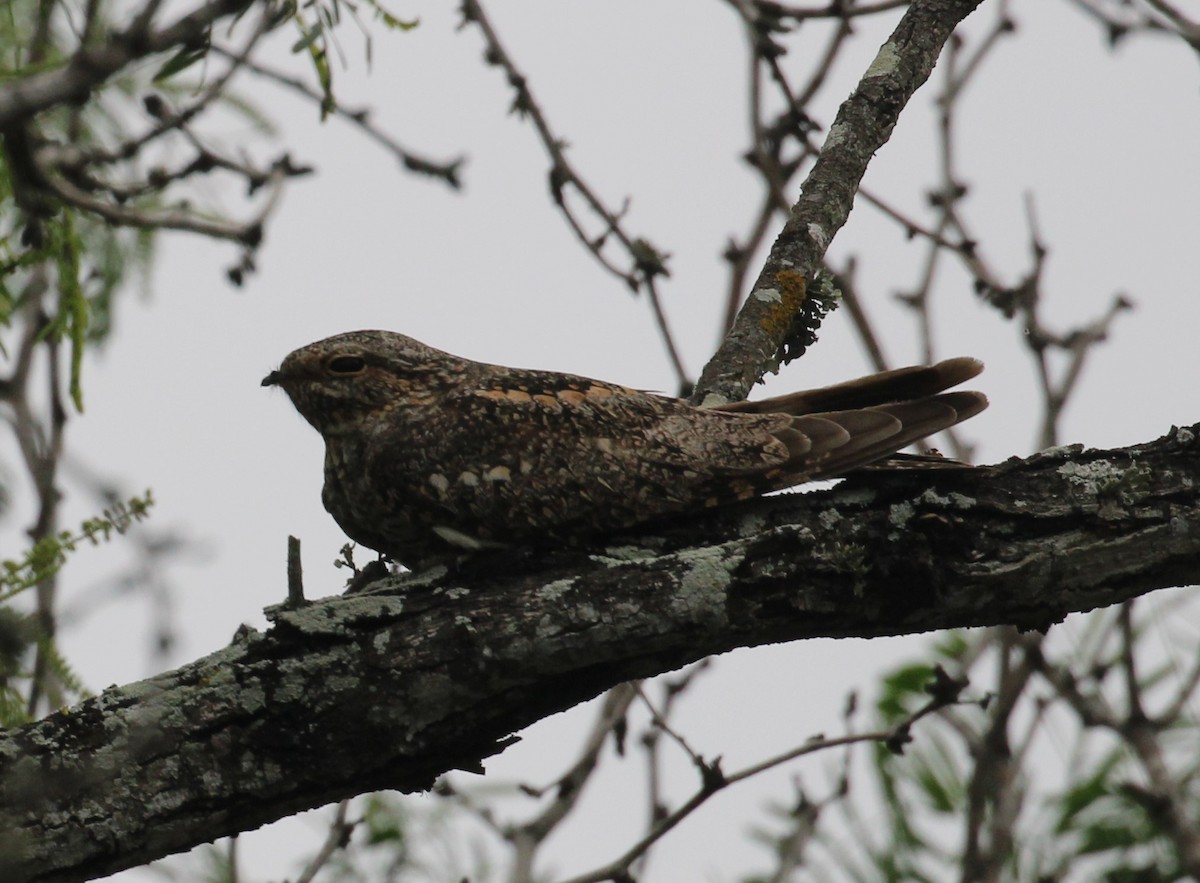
{"x": 427, "y": 454}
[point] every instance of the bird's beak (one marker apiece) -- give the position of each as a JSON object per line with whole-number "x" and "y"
{"x": 272, "y": 379}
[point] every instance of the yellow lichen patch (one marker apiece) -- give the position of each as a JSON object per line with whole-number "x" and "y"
{"x": 498, "y": 473}
{"x": 792, "y": 287}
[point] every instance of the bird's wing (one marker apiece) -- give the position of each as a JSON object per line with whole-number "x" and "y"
{"x": 662, "y": 454}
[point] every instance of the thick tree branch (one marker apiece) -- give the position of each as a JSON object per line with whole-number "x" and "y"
{"x": 782, "y": 312}
{"x": 427, "y": 673}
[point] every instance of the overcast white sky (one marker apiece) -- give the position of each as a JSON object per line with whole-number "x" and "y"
{"x": 650, "y": 96}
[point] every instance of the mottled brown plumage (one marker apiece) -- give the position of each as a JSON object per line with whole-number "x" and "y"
{"x": 428, "y": 453}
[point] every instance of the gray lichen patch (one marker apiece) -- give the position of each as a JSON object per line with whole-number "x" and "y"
{"x": 899, "y": 514}
{"x": 850, "y": 559}
{"x": 839, "y": 133}
{"x": 1108, "y": 480}
{"x": 1058, "y": 452}
{"x": 751, "y": 525}
{"x": 1092, "y": 477}
{"x": 554, "y": 591}
{"x": 704, "y": 580}
{"x": 251, "y": 699}
{"x": 859, "y": 496}
{"x": 830, "y": 518}
{"x": 885, "y": 61}
{"x": 818, "y": 235}
{"x": 341, "y": 617}
{"x": 948, "y": 501}
{"x": 616, "y": 555}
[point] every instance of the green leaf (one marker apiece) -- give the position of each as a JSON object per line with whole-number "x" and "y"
{"x": 900, "y": 686}
{"x": 1108, "y": 835}
{"x": 72, "y": 318}
{"x": 390, "y": 21}
{"x": 309, "y": 34}
{"x": 1085, "y": 794}
{"x": 952, "y": 645}
{"x": 181, "y": 61}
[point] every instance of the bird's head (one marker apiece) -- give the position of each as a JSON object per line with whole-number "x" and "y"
{"x": 339, "y": 382}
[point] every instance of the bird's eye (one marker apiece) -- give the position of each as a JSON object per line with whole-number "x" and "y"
{"x": 346, "y": 365}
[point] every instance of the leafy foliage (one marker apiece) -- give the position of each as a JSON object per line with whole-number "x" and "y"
{"x": 49, "y": 554}
{"x": 21, "y": 632}
{"x": 962, "y": 792}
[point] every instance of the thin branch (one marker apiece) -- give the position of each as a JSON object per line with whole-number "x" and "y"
{"x": 647, "y": 261}
{"x": 838, "y": 9}
{"x": 91, "y": 66}
{"x": 248, "y": 233}
{"x": 340, "y": 832}
{"x": 618, "y": 868}
{"x": 526, "y": 838}
{"x": 447, "y": 171}
{"x": 76, "y": 158}
{"x": 844, "y": 280}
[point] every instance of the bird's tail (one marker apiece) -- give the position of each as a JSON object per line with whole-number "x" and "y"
{"x": 843, "y": 427}
{"x": 886, "y": 387}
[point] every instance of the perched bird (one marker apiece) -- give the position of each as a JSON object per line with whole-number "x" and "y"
{"x": 427, "y": 454}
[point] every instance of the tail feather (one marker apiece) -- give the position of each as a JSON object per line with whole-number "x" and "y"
{"x": 916, "y": 420}
{"x": 902, "y": 384}
{"x": 831, "y": 431}
{"x": 813, "y": 438}
{"x": 868, "y": 434}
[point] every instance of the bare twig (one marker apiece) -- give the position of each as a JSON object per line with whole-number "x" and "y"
{"x": 1163, "y": 799}
{"x": 717, "y": 781}
{"x": 647, "y": 261}
{"x": 91, "y": 65}
{"x": 448, "y": 171}
{"x": 568, "y": 789}
{"x": 340, "y": 832}
{"x": 248, "y": 233}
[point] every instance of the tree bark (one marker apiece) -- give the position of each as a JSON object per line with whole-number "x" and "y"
{"x": 425, "y": 673}
{"x": 780, "y": 316}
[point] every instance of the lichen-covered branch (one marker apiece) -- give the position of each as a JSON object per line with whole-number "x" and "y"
{"x": 426, "y": 673}
{"x": 782, "y": 311}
